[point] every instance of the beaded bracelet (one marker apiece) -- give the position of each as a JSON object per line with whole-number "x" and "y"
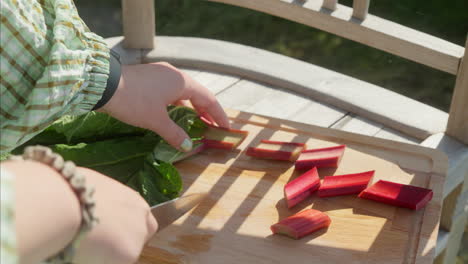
{"x": 77, "y": 183}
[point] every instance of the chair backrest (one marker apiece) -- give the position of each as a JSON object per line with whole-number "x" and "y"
{"x": 352, "y": 23}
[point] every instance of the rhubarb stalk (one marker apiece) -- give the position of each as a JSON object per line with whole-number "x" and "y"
{"x": 324, "y": 157}
{"x": 302, "y": 187}
{"x": 345, "y": 184}
{"x": 397, "y": 194}
{"x": 223, "y": 138}
{"x": 276, "y": 150}
{"x": 301, "y": 224}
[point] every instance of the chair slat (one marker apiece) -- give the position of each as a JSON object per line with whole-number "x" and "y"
{"x": 457, "y": 126}
{"x": 138, "y": 23}
{"x": 373, "y": 31}
{"x": 330, "y": 4}
{"x": 360, "y": 9}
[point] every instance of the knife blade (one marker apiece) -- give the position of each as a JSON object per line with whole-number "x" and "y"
{"x": 166, "y": 213}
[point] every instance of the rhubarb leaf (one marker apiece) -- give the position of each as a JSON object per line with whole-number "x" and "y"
{"x": 90, "y": 127}
{"x": 124, "y": 152}
{"x": 143, "y": 182}
{"x": 169, "y": 182}
{"x": 188, "y": 120}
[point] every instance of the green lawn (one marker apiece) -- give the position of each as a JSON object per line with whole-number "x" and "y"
{"x": 445, "y": 19}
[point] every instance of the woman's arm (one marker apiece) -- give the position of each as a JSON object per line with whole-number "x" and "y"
{"x": 47, "y": 216}
{"x": 47, "y": 212}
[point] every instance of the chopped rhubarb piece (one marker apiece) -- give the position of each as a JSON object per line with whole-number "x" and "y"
{"x": 324, "y": 157}
{"x": 397, "y": 194}
{"x": 276, "y": 150}
{"x": 345, "y": 184}
{"x": 301, "y": 224}
{"x": 223, "y": 138}
{"x": 302, "y": 187}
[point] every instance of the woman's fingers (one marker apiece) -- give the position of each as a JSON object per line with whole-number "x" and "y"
{"x": 206, "y": 105}
{"x": 170, "y": 131}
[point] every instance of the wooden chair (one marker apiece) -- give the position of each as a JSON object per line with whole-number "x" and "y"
{"x": 430, "y": 127}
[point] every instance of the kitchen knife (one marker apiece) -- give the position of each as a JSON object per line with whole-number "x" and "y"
{"x": 166, "y": 213}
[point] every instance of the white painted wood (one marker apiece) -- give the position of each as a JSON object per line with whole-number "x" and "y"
{"x": 330, "y": 4}
{"x": 138, "y": 23}
{"x": 442, "y": 240}
{"x": 243, "y": 95}
{"x": 358, "y": 124}
{"x": 454, "y": 240}
{"x": 127, "y": 56}
{"x": 279, "y": 104}
{"x": 370, "y": 101}
{"x": 360, "y": 9}
{"x": 458, "y": 159}
{"x": 274, "y": 102}
{"x": 457, "y": 126}
{"x": 373, "y": 31}
{"x": 391, "y": 134}
{"x": 216, "y": 82}
{"x": 316, "y": 113}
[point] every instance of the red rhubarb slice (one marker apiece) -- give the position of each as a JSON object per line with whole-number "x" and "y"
{"x": 276, "y": 150}
{"x": 344, "y": 184}
{"x": 301, "y": 224}
{"x": 223, "y": 138}
{"x": 302, "y": 187}
{"x": 397, "y": 194}
{"x": 324, "y": 157}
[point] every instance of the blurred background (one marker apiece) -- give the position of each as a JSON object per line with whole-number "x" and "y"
{"x": 196, "y": 18}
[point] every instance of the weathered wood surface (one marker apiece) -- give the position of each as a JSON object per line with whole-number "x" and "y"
{"x": 373, "y": 31}
{"x": 245, "y": 198}
{"x": 237, "y": 93}
{"x": 344, "y": 92}
{"x": 330, "y": 4}
{"x": 457, "y": 126}
{"x": 138, "y": 23}
{"x": 360, "y": 9}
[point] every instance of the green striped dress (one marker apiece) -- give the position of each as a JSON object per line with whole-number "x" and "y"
{"x": 51, "y": 65}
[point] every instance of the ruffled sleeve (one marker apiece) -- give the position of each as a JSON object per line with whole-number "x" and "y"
{"x": 51, "y": 65}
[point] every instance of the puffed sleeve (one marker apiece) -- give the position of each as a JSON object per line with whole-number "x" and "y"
{"x": 51, "y": 65}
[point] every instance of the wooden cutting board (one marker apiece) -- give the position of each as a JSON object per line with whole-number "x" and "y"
{"x": 246, "y": 198}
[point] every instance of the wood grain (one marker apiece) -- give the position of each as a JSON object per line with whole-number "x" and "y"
{"x": 216, "y": 82}
{"x": 358, "y": 124}
{"x": 245, "y": 198}
{"x": 330, "y": 4}
{"x": 360, "y": 9}
{"x": 138, "y": 23}
{"x": 457, "y": 126}
{"x": 373, "y": 31}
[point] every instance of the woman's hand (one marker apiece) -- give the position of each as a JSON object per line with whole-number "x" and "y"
{"x": 125, "y": 223}
{"x": 47, "y": 216}
{"x": 144, "y": 92}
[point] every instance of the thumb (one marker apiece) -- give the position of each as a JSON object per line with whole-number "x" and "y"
{"x": 172, "y": 133}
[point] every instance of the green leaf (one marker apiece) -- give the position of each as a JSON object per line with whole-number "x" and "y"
{"x": 165, "y": 152}
{"x": 91, "y": 127}
{"x": 188, "y": 120}
{"x": 124, "y": 152}
{"x": 168, "y": 181}
{"x": 118, "y": 158}
{"x": 143, "y": 182}
{"x": 157, "y": 182}
{"x": 4, "y": 156}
